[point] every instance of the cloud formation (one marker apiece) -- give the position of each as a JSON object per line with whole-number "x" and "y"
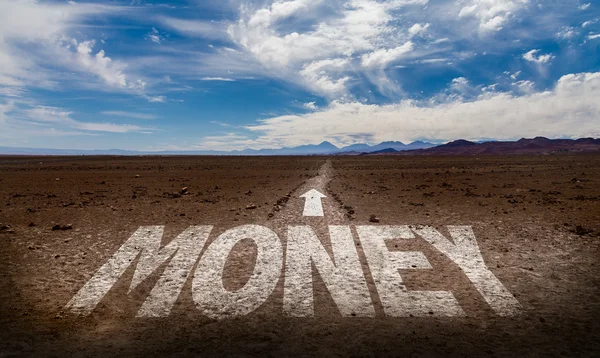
{"x": 322, "y": 55}
{"x": 570, "y": 109}
{"x": 492, "y": 15}
{"x": 60, "y": 117}
{"x": 541, "y": 59}
{"x": 47, "y": 37}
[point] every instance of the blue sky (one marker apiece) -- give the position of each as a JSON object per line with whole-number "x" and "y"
{"x": 158, "y": 75}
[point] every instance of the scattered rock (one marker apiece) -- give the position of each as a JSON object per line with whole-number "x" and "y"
{"x": 184, "y": 191}
{"x": 31, "y": 224}
{"x": 57, "y": 179}
{"x": 137, "y": 176}
{"x": 62, "y": 227}
{"x": 6, "y": 229}
{"x": 581, "y": 231}
{"x": 251, "y": 207}
{"x": 373, "y": 219}
{"x": 172, "y": 195}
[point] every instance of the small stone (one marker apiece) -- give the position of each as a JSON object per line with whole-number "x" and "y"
{"x": 56, "y": 227}
{"x": 250, "y": 207}
{"x": 67, "y": 227}
{"x": 137, "y": 176}
{"x": 57, "y": 179}
{"x": 183, "y": 191}
{"x": 31, "y": 224}
{"x": 374, "y": 219}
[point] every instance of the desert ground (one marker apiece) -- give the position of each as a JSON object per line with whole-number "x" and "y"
{"x": 536, "y": 220}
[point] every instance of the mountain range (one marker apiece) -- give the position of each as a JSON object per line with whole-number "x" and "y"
{"x": 309, "y": 149}
{"x": 538, "y": 145}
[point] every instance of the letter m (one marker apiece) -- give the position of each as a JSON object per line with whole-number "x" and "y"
{"x": 181, "y": 253}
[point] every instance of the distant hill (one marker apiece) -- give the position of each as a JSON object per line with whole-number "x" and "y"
{"x": 324, "y": 148}
{"x": 538, "y": 145}
{"x": 382, "y": 151}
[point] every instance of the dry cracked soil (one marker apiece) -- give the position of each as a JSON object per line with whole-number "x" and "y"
{"x": 536, "y": 220}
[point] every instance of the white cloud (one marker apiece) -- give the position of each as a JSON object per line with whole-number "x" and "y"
{"x": 593, "y": 36}
{"x": 60, "y": 117}
{"x": 360, "y": 29}
{"x": 197, "y": 28}
{"x": 322, "y": 75}
{"x": 39, "y": 52}
{"x": 541, "y": 59}
{"x": 311, "y": 106}
{"x": 460, "y": 84}
{"x": 571, "y": 109}
{"x": 588, "y": 23}
{"x": 525, "y": 86}
{"x": 566, "y": 32}
{"x": 223, "y": 79}
{"x": 492, "y": 14}
{"x": 5, "y": 108}
{"x": 46, "y": 24}
{"x": 157, "y": 99}
{"x": 417, "y": 29}
{"x": 584, "y": 6}
{"x": 100, "y": 65}
{"x": 155, "y": 36}
{"x": 384, "y": 56}
{"x": 222, "y": 124}
{"x": 12, "y": 91}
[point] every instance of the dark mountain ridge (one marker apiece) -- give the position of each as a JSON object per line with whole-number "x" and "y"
{"x": 537, "y": 145}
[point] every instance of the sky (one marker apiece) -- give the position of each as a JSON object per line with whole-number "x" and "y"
{"x": 234, "y": 74}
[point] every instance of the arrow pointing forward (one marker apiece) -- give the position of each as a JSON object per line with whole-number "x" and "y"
{"x": 313, "y": 205}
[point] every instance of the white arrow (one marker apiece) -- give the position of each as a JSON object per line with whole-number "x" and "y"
{"x": 313, "y": 205}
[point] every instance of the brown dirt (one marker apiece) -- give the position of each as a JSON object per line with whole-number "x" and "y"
{"x": 535, "y": 219}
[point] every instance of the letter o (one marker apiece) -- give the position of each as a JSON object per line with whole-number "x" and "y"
{"x": 208, "y": 291}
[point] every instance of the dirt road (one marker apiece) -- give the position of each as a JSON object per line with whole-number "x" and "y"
{"x": 363, "y": 256}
